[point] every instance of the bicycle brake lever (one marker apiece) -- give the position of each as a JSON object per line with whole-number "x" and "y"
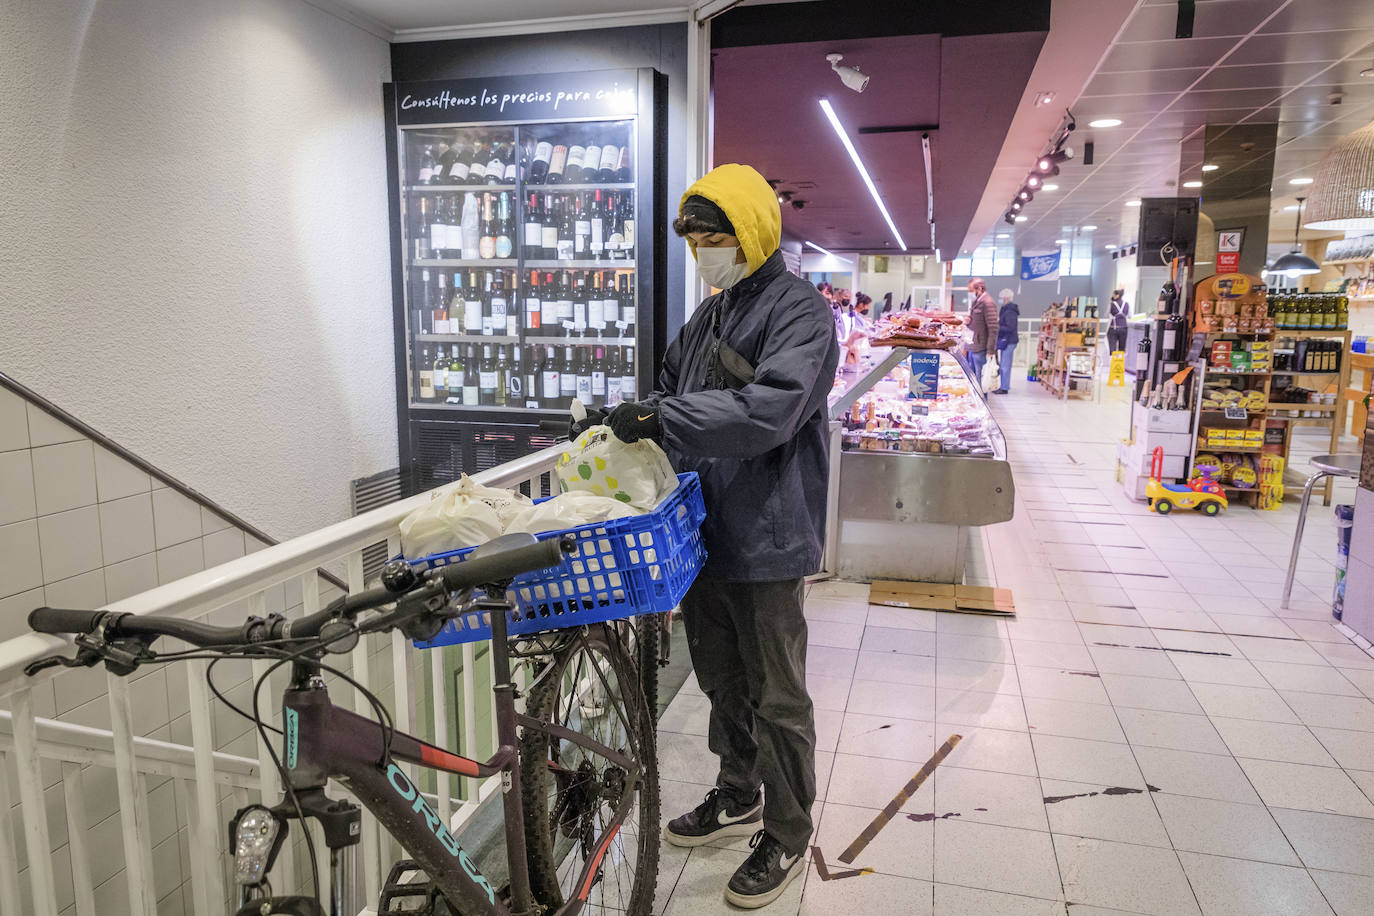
{"x": 84, "y": 658}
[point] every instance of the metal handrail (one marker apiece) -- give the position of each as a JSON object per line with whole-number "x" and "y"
{"x": 250, "y": 574}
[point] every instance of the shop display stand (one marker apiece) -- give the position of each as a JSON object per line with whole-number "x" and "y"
{"x": 1060, "y": 338}
{"x": 1330, "y": 416}
{"x": 1216, "y": 417}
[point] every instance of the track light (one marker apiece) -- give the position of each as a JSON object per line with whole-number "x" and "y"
{"x": 850, "y": 76}
{"x": 1016, "y": 206}
{"x": 1025, "y": 195}
{"x": 1033, "y": 181}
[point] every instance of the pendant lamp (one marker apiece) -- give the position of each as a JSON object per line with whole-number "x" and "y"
{"x": 1295, "y": 263}
{"x": 1343, "y": 189}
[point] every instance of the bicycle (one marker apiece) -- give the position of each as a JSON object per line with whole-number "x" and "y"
{"x": 579, "y": 778}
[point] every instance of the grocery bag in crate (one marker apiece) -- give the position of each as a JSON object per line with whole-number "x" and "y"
{"x": 641, "y": 564}
{"x": 636, "y": 473}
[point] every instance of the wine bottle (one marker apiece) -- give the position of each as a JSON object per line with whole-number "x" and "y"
{"x": 462, "y": 163}
{"x": 539, "y": 164}
{"x": 566, "y": 232}
{"x": 615, "y": 242}
{"x": 443, "y": 163}
{"x": 505, "y": 227}
{"x": 533, "y": 308}
{"x": 486, "y": 242}
{"x": 426, "y": 375}
{"x": 582, "y": 230}
{"x": 455, "y": 377}
{"x": 1168, "y": 298}
{"x": 501, "y": 371}
{"x": 624, "y": 170}
{"x": 424, "y": 171}
{"x": 548, "y": 309}
{"x": 599, "y": 376}
{"x": 550, "y": 388}
{"x": 573, "y": 168}
{"x": 532, "y": 373}
{"x": 439, "y": 374}
{"x": 579, "y": 301}
{"x": 497, "y": 325}
{"x": 509, "y": 166}
{"x": 610, "y": 306}
{"x": 471, "y": 390}
{"x": 557, "y": 162}
{"x": 549, "y": 230}
{"x": 596, "y": 308}
{"x": 627, "y": 225}
{"x": 532, "y": 248}
{"x": 584, "y": 375}
{"x": 564, "y": 304}
{"x": 613, "y": 377}
{"x": 567, "y": 378}
{"x": 423, "y": 299}
{"x": 477, "y": 168}
{"x": 597, "y": 218}
{"x": 439, "y": 314}
{"x": 627, "y": 376}
{"x": 508, "y": 361}
{"x": 496, "y": 165}
{"x": 1169, "y": 344}
{"x": 438, "y": 230}
{"x": 419, "y": 231}
{"x": 472, "y": 306}
{"x": 627, "y": 306}
{"x": 456, "y": 307}
{"x": 610, "y": 158}
{"x": 486, "y": 378}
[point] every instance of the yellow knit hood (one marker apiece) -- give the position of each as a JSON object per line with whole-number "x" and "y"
{"x": 751, "y": 205}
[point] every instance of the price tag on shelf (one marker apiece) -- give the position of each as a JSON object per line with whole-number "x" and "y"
{"x": 1236, "y": 413}
{"x": 622, "y": 325}
{"x": 920, "y": 410}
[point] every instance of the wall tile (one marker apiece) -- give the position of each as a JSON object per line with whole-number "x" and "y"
{"x": 179, "y": 561}
{"x": 16, "y": 487}
{"x": 20, "y": 566}
{"x": 44, "y": 429}
{"x": 116, "y": 478}
{"x": 70, "y": 543}
{"x": 126, "y": 527}
{"x": 64, "y": 476}
{"x": 176, "y": 517}
{"x": 86, "y": 591}
{"x": 130, "y": 577}
{"x": 210, "y": 522}
{"x": 14, "y": 612}
{"x": 223, "y": 546}
{"x": 14, "y": 421}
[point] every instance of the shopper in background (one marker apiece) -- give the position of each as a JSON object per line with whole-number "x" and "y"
{"x": 863, "y": 305}
{"x": 1119, "y": 311}
{"x": 742, "y": 401}
{"x": 1008, "y": 333}
{"x": 982, "y": 318}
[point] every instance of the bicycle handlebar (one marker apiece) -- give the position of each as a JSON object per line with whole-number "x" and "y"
{"x": 491, "y": 563}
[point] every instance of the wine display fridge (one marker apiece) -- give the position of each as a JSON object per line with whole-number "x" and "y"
{"x": 526, "y": 237}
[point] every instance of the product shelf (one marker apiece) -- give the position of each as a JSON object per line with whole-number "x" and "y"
{"x": 582, "y": 264}
{"x": 490, "y": 263}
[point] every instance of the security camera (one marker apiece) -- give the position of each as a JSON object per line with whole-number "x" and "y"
{"x": 850, "y": 76}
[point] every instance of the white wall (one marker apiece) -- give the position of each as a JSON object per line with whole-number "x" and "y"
{"x": 194, "y": 237}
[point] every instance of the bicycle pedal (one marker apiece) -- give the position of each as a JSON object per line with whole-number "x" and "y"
{"x": 406, "y": 891}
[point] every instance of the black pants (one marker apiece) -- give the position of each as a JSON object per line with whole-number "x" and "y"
{"x": 1116, "y": 339}
{"x": 748, "y": 646}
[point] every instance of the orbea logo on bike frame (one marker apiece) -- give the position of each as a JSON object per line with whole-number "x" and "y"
{"x": 406, "y": 790}
{"x": 293, "y": 737}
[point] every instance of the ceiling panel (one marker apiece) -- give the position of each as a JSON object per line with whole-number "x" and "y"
{"x": 1231, "y": 17}
{"x": 1302, "y": 46}
{"x": 1130, "y": 81}
{"x": 1152, "y": 55}
{"x": 1318, "y": 15}
{"x": 1228, "y": 98}
{"x": 1253, "y": 76}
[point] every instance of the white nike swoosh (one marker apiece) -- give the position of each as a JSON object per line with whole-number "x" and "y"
{"x": 788, "y": 861}
{"x": 723, "y": 819}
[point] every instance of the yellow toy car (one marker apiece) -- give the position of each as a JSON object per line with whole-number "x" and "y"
{"x": 1202, "y": 493}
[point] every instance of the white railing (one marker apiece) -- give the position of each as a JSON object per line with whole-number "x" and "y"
{"x": 50, "y": 759}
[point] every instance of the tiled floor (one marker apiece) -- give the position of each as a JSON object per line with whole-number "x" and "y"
{"x": 1149, "y": 657}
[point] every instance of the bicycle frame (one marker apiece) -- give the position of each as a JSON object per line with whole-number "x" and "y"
{"x": 323, "y": 741}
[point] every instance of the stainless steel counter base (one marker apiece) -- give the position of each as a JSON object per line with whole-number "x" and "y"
{"x": 908, "y": 551}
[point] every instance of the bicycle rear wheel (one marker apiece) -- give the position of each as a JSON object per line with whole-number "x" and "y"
{"x": 594, "y": 687}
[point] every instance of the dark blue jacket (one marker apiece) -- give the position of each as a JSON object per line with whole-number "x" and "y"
{"x": 1008, "y": 323}
{"x": 762, "y": 449}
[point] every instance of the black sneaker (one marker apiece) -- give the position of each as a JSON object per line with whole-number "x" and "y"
{"x": 720, "y": 815}
{"x": 764, "y": 875}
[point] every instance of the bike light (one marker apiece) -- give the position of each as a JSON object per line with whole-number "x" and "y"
{"x": 256, "y": 834}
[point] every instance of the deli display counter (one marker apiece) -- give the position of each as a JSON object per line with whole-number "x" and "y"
{"x": 916, "y": 461}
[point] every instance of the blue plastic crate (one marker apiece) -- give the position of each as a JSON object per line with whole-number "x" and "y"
{"x": 643, "y": 564}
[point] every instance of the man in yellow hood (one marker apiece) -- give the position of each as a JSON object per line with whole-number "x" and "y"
{"x": 742, "y": 401}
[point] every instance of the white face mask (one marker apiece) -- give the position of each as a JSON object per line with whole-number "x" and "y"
{"x": 717, "y": 266}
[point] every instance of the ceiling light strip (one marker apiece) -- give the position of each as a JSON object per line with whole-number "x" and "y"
{"x": 930, "y": 188}
{"x": 863, "y": 172}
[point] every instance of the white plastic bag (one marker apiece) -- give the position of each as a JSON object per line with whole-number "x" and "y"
{"x": 463, "y": 514}
{"x": 636, "y": 473}
{"x": 568, "y": 510}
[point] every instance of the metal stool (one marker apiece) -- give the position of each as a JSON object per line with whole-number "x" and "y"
{"x": 1327, "y": 466}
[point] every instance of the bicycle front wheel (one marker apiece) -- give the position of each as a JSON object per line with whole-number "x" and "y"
{"x": 594, "y": 686}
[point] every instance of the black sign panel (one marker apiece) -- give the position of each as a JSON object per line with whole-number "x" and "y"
{"x": 535, "y": 97}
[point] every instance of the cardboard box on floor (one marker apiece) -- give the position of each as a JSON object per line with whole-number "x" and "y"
{"x": 963, "y": 599}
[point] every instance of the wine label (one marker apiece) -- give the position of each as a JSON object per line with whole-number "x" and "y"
{"x": 596, "y": 315}
{"x": 458, "y": 171}
{"x": 551, "y": 388}
{"x": 567, "y": 385}
{"x": 486, "y": 379}
{"x": 628, "y": 242}
{"x": 622, "y": 324}
{"x": 509, "y": 174}
{"x": 472, "y": 315}
{"x": 579, "y": 316}
{"x": 470, "y": 395}
{"x": 515, "y": 388}
{"x": 440, "y": 379}
{"x": 477, "y": 171}
{"x": 534, "y": 235}
{"x": 425, "y": 175}
{"x": 486, "y": 248}
{"x": 584, "y": 389}
{"x": 534, "y": 311}
{"x": 512, "y": 325}
{"x": 442, "y": 326}
{"x": 542, "y": 151}
{"x": 427, "y": 384}
{"x": 453, "y": 237}
{"x": 565, "y": 309}
{"x": 438, "y": 236}
{"x": 548, "y": 313}
{"x": 549, "y": 237}
{"x": 495, "y": 168}
{"x": 575, "y": 156}
{"x": 598, "y": 241}
{"x": 498, "y": 312}
{"x": 610, "y": 156}
{"x": 598, "y": 384}
{"x": 565, "y": 249}
{"x": 616, "y": 241}
{"x": 610, "y": 312}
{"x": 613, "y": 391}
{"x": 559, "y": 160}
{"x": 627, "y": 387}
{"x": 504, "y": 246}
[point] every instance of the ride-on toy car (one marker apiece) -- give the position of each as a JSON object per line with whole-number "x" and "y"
{"x": 1201, "y": 493}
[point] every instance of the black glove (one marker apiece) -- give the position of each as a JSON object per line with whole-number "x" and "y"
{"x": 632, "y": 421}
{"x": 594, "y": 417}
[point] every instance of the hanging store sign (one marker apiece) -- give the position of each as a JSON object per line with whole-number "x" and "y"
{"x": 1043, "y": 266}
{"x": 534, "y": 97}
{"x": 925, "y": 374}
{"x": 1228, "y": 250}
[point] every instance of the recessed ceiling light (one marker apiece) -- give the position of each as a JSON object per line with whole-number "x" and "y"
{"x": 1049, "y": 187}
{"x": 1132, "y": 203}
{"x": 1022, "y": 219}
{"x": 1044, "y": 98}
{"x": 1210, "y": 167}
{"x": 1004, "y": 235}
{"x": 1300, "y": 181}
{"x": 1192, "y": 184}
{"x": 1105, "y": 122}
{"x": 1290, "y": 208}
{"x": 1109, "y": 247}
{"x": 1089, "y": 228}
{"x": 1061, "y": 241}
